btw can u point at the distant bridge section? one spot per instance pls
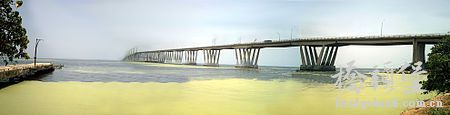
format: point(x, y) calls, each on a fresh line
point(316, 53)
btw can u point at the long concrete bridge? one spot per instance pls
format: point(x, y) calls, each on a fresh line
point(316, 53)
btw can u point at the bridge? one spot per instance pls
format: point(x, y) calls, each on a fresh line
point(316, 53)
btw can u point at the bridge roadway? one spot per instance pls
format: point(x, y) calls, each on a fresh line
point(316, 53)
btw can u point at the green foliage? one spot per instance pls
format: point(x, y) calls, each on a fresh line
point(438, 67)
point(438, 111)
point(13, 38)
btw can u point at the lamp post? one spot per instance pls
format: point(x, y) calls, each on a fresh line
point(279, 36)
point(292, 29)
point(35, 50)
point(381, 31)
point(214, 40)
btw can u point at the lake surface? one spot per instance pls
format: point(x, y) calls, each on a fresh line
point(115, 87)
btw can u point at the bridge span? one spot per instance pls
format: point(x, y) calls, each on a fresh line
point(316, 53)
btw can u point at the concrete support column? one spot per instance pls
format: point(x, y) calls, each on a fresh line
point(211, 57)
point(154, 59)
point(190, 57)
point(143, 57)
point(139, 55)
point(169, 57)
point(324, 61)
point(151, 57)
point(325, 56)
point(195, 56)
point(418, 51)
point(308, 62)
point(147, 57)
point(159, 57)
point(311, 53)
point(164, 54)
point(218, 57)
point(330, 56)
point(334, 56)
point(315, 55)
point(302, 55)
point(173, 57)
point(319, 59)
point(165, 57)
point(162, 57)
point(247, 57)
point(177, 57)
point(180, 57)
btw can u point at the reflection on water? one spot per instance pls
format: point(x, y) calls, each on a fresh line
point(111, 87)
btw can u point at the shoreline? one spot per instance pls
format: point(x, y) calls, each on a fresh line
point(16, 73)
point(444, 98)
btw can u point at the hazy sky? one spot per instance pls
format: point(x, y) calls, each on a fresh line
point(106, 29)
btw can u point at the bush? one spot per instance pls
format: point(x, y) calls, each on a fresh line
point(438, 67)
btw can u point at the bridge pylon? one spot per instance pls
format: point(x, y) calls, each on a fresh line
point(418, 51)
point(247, 57)
point(190, 57)
point(211, 57)
point(324, 61)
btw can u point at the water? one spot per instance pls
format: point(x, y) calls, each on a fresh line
point(117, 71)
point(114, 87)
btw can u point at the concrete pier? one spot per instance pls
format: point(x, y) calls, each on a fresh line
point(12, 73)
point(211, 57)
point(190, 57)
point(247, 57)
point(418, 51)
point(322, 62)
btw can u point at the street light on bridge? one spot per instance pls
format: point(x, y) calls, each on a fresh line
point(381, 31)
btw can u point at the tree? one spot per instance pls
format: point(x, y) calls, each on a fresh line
point(438, 66)
point(13, 38)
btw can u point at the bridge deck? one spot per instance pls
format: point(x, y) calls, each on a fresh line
point(319, 41)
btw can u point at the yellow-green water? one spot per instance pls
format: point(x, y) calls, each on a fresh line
point(217, 96)
point(114, 87)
